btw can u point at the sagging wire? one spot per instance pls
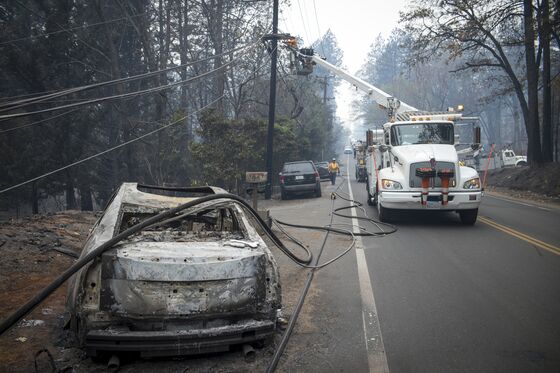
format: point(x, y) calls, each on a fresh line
point(159, 129)
point(30, 305)
point(362, 231)
point(136, 93)
point(316, 266)
point(293, 319)
point(30, 101)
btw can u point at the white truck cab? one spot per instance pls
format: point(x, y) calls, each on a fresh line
point(416, 167)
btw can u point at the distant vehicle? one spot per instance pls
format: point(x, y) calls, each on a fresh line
point(509, 159)
point(195, 283)
point(361, 171)
point(323, 169)
point(299, 177)
point(348, 150)
point(504, 158)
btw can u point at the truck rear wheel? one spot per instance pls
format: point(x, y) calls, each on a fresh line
point(468, 217)
point(370, 200)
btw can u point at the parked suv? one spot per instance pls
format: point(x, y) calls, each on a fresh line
point(299, 177)
point(323, 168)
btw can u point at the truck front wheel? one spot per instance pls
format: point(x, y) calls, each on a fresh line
point(468, 217)
point(384, 214)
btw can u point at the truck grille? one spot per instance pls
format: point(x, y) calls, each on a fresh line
point(416, 182)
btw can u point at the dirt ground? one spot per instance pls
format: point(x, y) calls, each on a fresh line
point(543, 181)
point(31, 260)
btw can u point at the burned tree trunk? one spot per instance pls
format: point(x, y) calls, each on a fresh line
point(534, 153)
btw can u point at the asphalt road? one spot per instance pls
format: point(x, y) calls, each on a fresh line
point(447, 297)
point(482, 298)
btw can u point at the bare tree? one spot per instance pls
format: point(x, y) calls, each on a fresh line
point(493, 34)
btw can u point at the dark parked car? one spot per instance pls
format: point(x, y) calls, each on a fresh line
point(299, 177)
point(323, 168)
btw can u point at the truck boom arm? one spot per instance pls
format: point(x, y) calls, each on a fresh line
point(382, 98)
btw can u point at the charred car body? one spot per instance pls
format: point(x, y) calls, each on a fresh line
point(195, 283)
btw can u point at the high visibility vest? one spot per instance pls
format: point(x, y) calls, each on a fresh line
point(333, 166)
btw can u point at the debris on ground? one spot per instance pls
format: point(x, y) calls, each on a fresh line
point(31, 258)
point(30, 246)
point(544, 180)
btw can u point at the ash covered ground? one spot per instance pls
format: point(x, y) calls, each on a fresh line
point(540, 184)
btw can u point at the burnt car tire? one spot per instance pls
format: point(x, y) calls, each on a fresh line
point(468, 217)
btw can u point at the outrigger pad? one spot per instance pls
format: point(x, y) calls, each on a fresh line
point(425, 172)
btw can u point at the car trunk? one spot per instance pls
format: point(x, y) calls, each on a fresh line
point(299, 178)
point(183, 280)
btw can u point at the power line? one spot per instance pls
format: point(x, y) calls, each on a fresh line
point(63, 29)
point(69, 29)
point(108, 150)
point(303, 22)
point(125, 95)
point(25, 95)
point(321, 42)
point(7, 106)
point(120, 145)
point(40, 121)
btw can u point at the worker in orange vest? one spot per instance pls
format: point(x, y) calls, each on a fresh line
point(334, 169)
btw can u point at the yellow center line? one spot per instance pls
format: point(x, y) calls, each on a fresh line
point(553, 249)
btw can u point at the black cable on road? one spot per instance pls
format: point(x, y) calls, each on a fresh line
point(82, 261)
point(316, 266)
point(293, 319)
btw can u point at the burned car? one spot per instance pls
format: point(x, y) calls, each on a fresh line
point(195, 283)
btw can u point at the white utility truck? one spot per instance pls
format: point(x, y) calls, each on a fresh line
point(414, 165)
point(510, 159)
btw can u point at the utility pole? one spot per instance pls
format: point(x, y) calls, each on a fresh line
point(272, 101)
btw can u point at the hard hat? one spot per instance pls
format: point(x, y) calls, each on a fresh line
point(334, 159)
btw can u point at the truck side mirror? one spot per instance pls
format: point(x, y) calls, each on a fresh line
point(383, 148)
point(477, 135)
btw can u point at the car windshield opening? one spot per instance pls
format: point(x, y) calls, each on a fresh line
point(422, 133)
point(217, 223)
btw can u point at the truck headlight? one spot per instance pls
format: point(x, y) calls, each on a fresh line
point(472, 184)
point(390, 184)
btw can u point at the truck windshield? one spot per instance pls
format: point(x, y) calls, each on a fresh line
point(422, 133)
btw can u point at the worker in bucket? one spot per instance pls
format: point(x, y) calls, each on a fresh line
point(333, 170)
